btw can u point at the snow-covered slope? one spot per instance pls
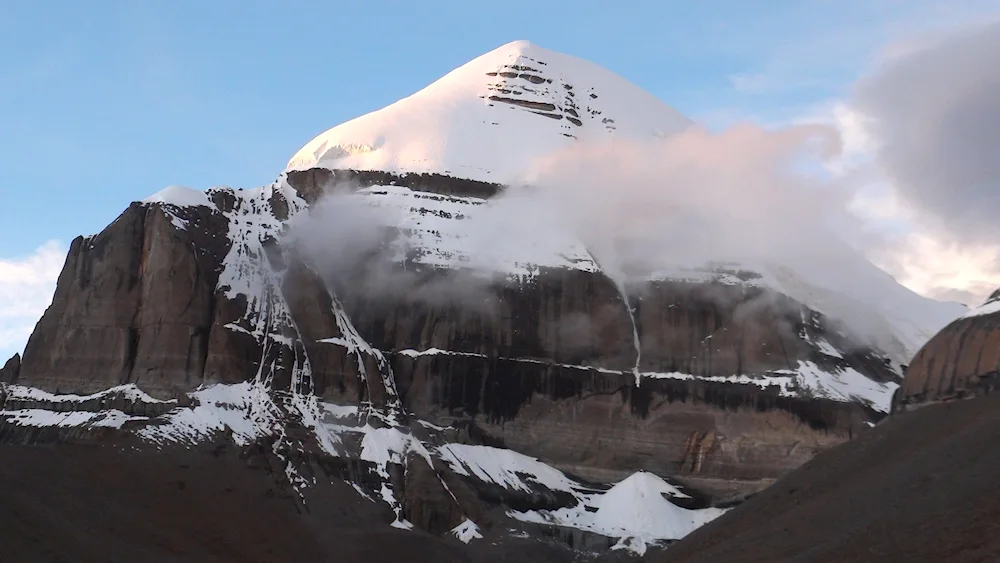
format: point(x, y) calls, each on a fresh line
point(488, 119)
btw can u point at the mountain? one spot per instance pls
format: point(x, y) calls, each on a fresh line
point(365, 318)
point(918, 487)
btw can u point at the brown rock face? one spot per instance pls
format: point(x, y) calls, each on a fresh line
point(960, 361)
point(133, 304)
point(173, 297)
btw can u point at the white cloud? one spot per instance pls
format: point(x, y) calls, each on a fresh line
point(26, 288)
point(929, 116)
point(933, 265)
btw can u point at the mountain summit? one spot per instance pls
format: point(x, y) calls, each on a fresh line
point(487, 119)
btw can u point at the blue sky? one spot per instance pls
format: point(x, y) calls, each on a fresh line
point(106, 102)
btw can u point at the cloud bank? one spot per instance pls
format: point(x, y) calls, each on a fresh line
point(934, 112)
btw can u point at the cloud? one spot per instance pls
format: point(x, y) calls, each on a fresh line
point(26, 289)
point(358, 248)
point(936, 114)
point(683, 200)
point(941, 268)
point(930, 115)
point(754, 196)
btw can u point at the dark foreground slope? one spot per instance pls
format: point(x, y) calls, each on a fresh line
point(921, 487)
point(92, 503)
point(89, 503)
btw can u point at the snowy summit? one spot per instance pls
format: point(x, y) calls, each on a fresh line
point(520, 101)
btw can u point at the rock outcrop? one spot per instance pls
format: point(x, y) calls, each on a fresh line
point(963, 360)
point(11, 370)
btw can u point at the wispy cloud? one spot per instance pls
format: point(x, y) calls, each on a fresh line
point(26, 288)
point(823, 45)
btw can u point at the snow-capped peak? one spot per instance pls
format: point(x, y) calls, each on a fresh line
point(490, 118)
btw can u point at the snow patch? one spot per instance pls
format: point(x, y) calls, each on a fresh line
point(506, 468)
point(129, 392)
point(988, 308)
point(245, 410)
point(466, 531)
point(825, 347)
point(42, 418)
point(844, 384)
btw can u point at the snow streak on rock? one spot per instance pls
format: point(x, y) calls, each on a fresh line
point(359, 348)
point(129, 392)
point(42, 418)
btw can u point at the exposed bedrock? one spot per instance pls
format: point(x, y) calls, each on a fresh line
point(11, 370)
point(546, 369)
point(132, 304)
point(963, 360)
point(544, 364)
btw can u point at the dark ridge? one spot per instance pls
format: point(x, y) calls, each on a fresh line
point(919, 487)
point(555, 116)
point(312, 183)
point(543, 106)
point(11, 370)
point(533, 78)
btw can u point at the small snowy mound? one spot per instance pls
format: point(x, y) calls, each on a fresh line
point(466, 531)
point(991, 306)
point(636, 511)
point(180, 196)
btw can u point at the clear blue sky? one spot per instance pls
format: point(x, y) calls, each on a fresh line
point(105, 102)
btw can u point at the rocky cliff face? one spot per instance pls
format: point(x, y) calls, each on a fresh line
point(11, 370)
point(963, 360)
point(701, 380)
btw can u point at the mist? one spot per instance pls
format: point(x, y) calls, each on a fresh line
point(746, 195)
point(361, 251)
point(750, 196)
